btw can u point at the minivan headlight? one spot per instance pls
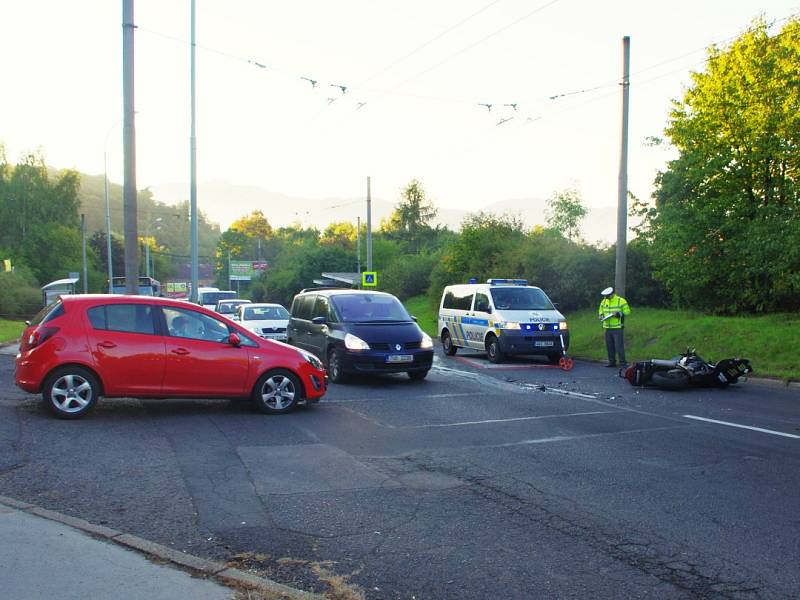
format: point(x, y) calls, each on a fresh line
point(352, 342)
point(508, 325)
point(562, 325)
point(427, 342)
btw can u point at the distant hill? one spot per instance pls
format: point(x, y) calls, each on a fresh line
point(224, 202)
point(167, 222)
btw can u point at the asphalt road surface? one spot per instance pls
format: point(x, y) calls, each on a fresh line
point(480, 482)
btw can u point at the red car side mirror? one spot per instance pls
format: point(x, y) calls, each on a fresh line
point(234, 340)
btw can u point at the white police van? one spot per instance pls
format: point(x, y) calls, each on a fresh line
point(501, 317)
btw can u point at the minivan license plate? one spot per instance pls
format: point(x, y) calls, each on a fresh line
point(545, 344)
point(399, 358)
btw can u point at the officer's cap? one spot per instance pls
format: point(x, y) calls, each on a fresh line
point(607, 292)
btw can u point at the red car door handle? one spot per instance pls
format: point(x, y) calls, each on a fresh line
point(181, 351)
point(106, 345)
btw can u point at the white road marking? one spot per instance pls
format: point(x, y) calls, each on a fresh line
point(759, 429)
point(511, 420)
point(559, 391)
point(567, 438)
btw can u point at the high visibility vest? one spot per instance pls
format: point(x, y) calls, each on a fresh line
point(612, 305)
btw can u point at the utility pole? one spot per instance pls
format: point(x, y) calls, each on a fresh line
point(369, 225)
point(193, 165)
point(622, 195)
point(108, 224)
point(358, 245)
point(129, 150)
point(83, 245)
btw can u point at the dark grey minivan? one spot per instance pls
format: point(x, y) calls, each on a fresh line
point(359, 331)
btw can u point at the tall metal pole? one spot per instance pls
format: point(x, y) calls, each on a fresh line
point(83, 249)
point(193, 166)
point(622, 197)
point(108, 225)
point(369, 225)
point(358, 245)
point(129, 151)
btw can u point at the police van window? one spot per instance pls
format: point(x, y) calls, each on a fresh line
point(482, 302)
point(449, 300)
point(520, 298)
point(463, 300)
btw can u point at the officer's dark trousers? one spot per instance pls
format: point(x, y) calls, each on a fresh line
point(615, 344)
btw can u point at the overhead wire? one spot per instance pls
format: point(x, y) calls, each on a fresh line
point(524, 117)
point(427, 43)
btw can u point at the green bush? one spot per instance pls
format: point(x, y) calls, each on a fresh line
point(408, 275)
point(21, 297)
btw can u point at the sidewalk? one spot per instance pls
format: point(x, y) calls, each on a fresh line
point(45, 554)
point(40, 558)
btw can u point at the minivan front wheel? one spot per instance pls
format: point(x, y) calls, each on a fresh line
point(71, 392)
point(277, 392)
point(335, 372)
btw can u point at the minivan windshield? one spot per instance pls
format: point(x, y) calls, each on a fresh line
point(369, 308)
point(520, 298)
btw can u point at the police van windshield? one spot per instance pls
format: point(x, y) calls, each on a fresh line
point(520, 298)
point(369, 308)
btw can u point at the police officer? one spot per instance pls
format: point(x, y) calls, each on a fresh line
point(611, 313)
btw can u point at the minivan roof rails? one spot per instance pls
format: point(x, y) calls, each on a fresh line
point(323, 287)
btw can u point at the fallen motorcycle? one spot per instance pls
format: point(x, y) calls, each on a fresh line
point(687, 370)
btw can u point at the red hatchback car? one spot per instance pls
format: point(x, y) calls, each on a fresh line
point(84, 347)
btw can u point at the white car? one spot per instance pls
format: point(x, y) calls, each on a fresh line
point(230, 308)
point(265, 320)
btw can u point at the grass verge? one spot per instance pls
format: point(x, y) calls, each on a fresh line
point(771, 342)
point(426, 314)
point(10, 330)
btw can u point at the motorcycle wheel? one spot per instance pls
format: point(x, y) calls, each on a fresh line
point(674, 379)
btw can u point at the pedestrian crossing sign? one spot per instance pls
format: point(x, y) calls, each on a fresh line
point(369, 278)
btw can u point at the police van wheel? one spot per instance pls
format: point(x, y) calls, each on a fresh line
point(493, 350)
point(447, 344)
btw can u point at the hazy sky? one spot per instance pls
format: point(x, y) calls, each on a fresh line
point(421, 66)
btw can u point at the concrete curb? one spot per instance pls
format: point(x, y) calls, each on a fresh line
point(199, 566)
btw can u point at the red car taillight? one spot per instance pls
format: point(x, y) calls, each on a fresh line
point(38, 336)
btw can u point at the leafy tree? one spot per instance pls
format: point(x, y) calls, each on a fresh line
point(411, 220)
point(725, 231)
point(565, 212)
point(29, 198)
point(484, 249)
point(52, 251)
point(342, 234)
point(98, 244)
